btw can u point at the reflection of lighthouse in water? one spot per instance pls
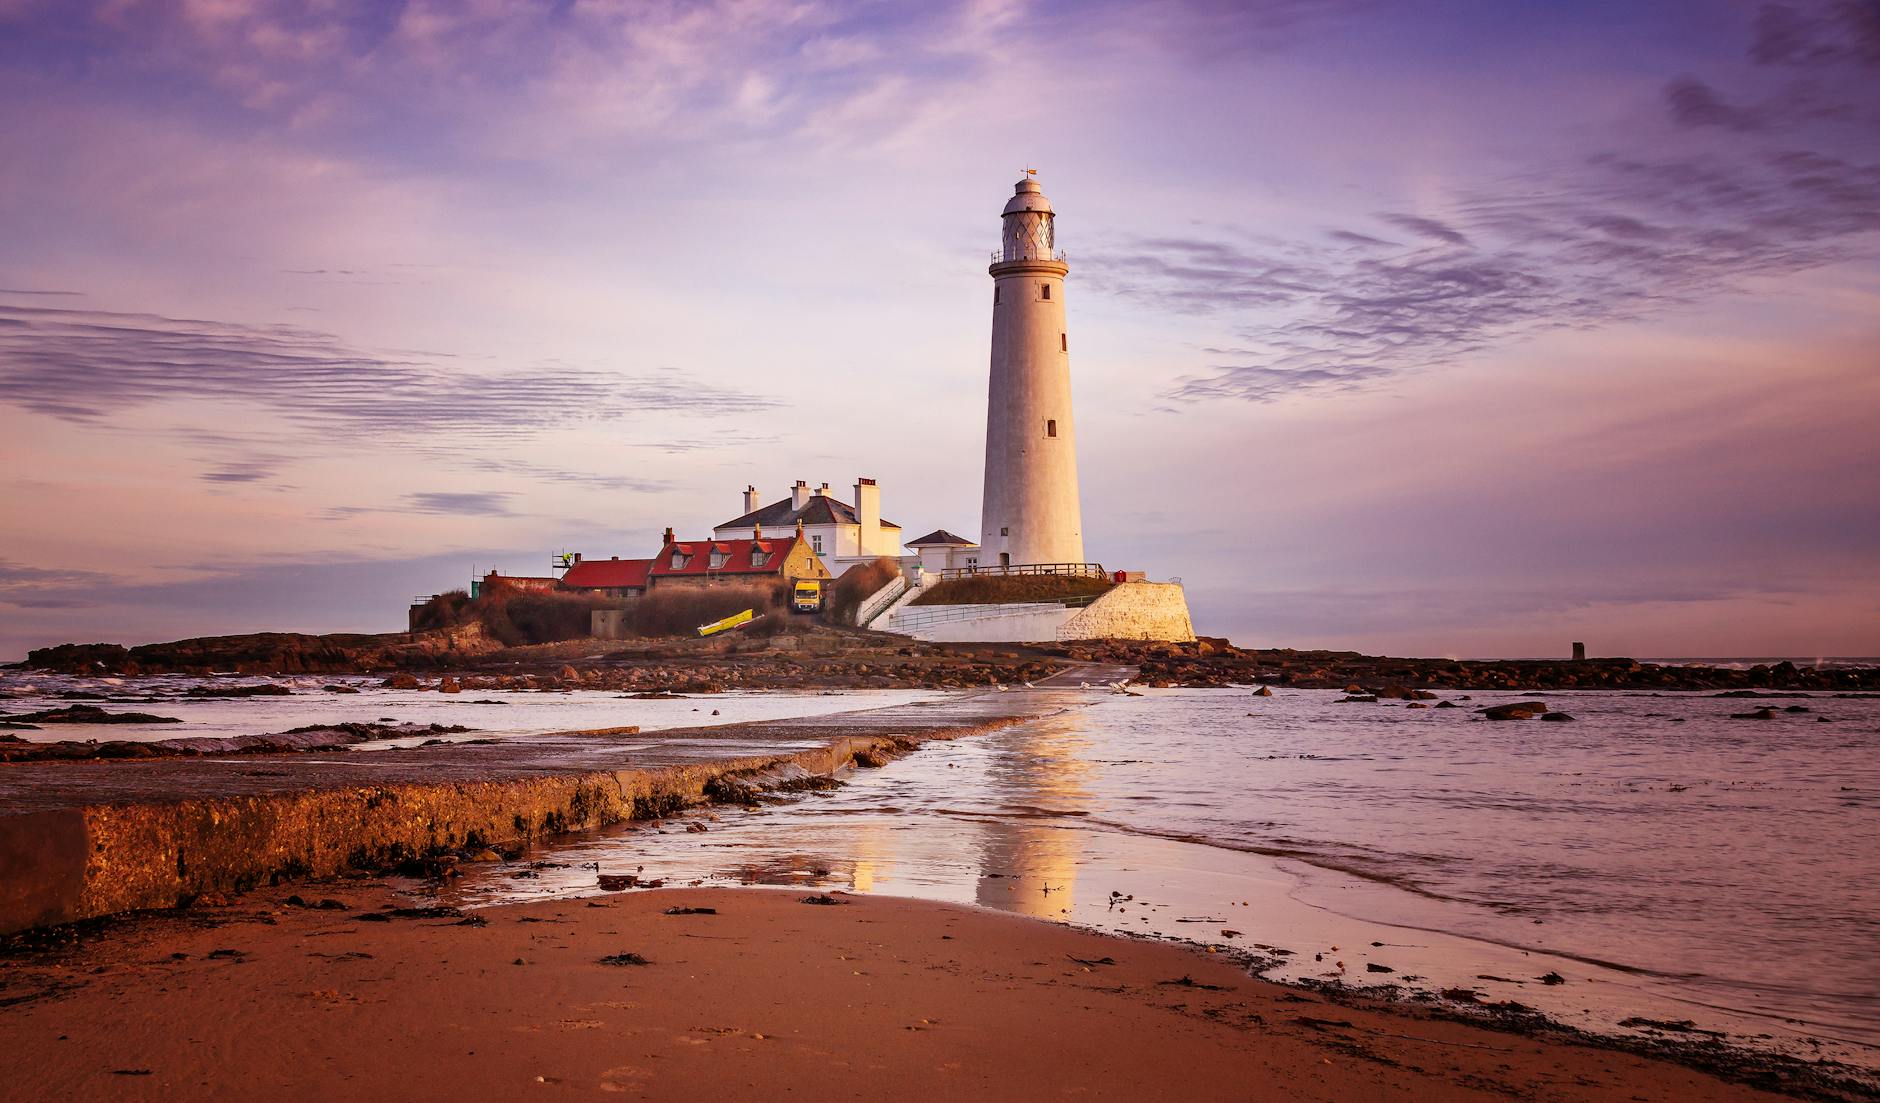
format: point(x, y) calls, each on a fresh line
point(1035, 861)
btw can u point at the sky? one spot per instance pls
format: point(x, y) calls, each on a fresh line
point(1431, 328)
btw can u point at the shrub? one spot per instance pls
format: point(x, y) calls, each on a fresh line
point(677, 609)
point(846, 594)
point(516, 619)
point(446, 610)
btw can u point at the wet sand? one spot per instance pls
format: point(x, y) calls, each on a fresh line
point(870, 998)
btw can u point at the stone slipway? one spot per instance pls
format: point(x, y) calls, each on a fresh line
point(79, 840)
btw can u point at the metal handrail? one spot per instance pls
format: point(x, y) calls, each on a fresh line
point(1074, 570)
point(999, 257)
point(882, 598)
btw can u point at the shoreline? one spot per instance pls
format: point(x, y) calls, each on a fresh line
point(1277, 933)
point(1736, 1053)
point(262, 998)
point(824, 656)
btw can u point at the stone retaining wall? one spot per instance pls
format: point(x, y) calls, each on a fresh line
point(1135, 611)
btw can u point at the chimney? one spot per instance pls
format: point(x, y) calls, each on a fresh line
point(822, 491)
point(668, 540)
point(757, 532)
point(868, 512)
point(750, 499)
point(577, 557)
point(799, 494)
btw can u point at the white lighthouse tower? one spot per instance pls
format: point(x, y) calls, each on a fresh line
point(1031, 512)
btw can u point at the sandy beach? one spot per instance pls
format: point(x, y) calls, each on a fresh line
point(763, 996)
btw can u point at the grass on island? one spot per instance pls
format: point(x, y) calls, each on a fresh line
point(1009, 589)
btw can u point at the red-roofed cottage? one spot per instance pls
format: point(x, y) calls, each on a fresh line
point(750, 558)
point(613, 577)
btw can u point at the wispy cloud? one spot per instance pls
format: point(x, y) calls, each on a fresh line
point(31, 587)
point(542, 473)
point(88, 365)
point(480, 503)
point(1767, 184)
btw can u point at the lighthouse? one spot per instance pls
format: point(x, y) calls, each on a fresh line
point(1030, 513)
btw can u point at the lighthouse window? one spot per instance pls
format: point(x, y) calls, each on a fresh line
point(1050, 428)
point(1064, 342)
point(1045, 288)
point(995, 296)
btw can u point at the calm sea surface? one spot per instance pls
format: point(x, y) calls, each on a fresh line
point(1663, 858)
point(1667, 860)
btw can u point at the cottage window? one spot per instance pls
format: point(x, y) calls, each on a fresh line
point(816, 543)
point(678, 561)
point(759, 558)
point(718, 559)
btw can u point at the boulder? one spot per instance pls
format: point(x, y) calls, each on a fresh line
point(1517, 710)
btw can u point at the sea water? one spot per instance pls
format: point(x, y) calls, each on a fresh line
point(1657, 856)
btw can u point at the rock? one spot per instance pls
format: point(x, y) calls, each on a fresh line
point(449, 685)
point(1556, 717)
point(1759, 714)
point(1374, 967)
point(1417, 705)
point(486, 856)
point(1517, 710)
point(267, 690)
point(1447, 705)
point(88, 714)
point(1357, 699)
point(400, 681)
point(1263, 691)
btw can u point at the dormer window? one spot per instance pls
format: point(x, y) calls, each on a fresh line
point(718, 559)
point(678, 561)
point(759, 557)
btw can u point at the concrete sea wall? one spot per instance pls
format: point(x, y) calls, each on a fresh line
point(84, 840)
